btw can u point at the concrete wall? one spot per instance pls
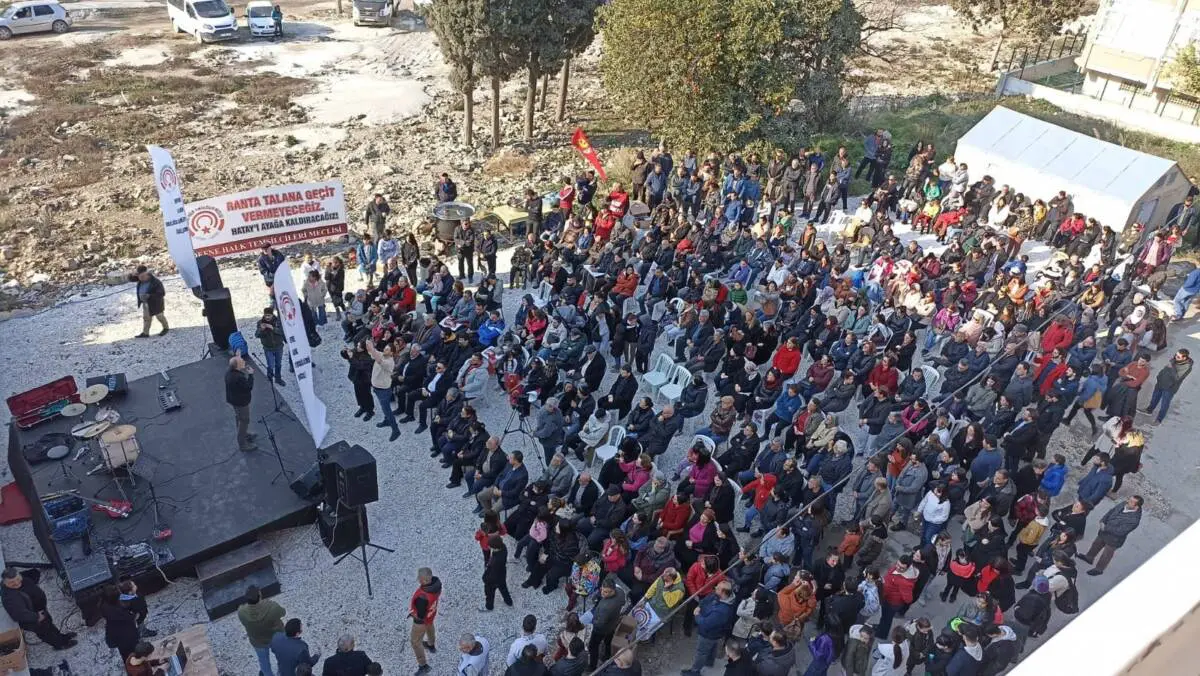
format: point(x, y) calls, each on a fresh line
point(1148, 625)
point(1045, 69)
point(1148, 122)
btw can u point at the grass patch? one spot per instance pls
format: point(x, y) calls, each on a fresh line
point(508, 162)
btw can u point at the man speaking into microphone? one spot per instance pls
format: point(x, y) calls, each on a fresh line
point(239, 384)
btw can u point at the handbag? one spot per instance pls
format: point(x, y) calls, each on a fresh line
point(1093, 402)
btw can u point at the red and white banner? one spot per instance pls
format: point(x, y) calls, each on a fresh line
point(580, 142)
point(170, 202)
point(282, 214)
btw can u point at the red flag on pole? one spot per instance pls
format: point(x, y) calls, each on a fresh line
point(580, 141)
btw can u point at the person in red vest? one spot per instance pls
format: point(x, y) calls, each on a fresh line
point(423, 611)
point(618, 200)
point(566, 197)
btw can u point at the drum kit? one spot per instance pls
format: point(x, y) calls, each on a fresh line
point(118, 445)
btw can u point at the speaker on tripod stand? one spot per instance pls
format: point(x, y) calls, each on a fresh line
point(343, 529)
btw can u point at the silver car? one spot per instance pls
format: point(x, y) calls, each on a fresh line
point(34, 16)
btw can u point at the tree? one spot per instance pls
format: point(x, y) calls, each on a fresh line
point(577, 20)
point(1184, 71)
point(498, 57)
point(459, 26)
point(539, 44)
point(727, 72)
point(1025, 18)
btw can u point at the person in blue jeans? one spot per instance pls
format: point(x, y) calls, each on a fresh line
point(270, 334)
point(262, 619)
point(381, 385)
point(1185, 294)
point(1170, 377)
point(714, 620)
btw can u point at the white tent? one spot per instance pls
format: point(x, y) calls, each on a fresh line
point(1113, 184)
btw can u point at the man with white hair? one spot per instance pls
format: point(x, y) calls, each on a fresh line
point(346, 661)
point(239, 384)
point(473, 657)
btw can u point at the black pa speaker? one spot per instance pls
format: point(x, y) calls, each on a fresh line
point(218, 309)
point(117, 383)
point(340, 531)
point(309, 485)
point(356, 480)
point(210, 274)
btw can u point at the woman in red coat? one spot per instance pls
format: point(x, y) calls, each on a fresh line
point(1050, 367)
point(1059, 334)
point(787, 358)
point(884, 376)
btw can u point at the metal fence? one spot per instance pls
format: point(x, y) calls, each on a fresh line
point(1023, 56)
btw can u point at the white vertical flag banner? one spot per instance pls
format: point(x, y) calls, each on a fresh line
point(288, 302)
point(175, 220)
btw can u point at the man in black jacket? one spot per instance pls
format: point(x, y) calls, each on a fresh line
point(25, 603)
point(621, 393)
point(592, 369)
point(583, 494)
point(239, 383)
point(430, 395)
point(486, 246)
point(377, 212)
point(445, 190)
point(662, 429)
point(464, 246)
point(411, 376)
point(150, 298)
point(346, 661)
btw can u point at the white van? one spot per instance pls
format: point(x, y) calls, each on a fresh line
point(206, 20)
point(258, 18)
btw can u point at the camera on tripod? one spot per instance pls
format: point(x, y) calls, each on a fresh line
point(518, 399)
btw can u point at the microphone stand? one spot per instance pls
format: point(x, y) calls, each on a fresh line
point(283, 472)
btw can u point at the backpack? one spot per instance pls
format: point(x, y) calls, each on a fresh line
point(1068, 600)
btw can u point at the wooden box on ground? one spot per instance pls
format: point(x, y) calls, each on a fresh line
point(12, 651)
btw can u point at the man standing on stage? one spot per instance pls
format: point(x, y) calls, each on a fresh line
point(239, 383)
point(150, 298)
point(423, 611)
point(25, 603)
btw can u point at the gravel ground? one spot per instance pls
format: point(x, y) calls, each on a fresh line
point(426, 524)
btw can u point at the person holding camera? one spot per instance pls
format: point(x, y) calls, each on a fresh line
point(270, 333)
point(151, 299)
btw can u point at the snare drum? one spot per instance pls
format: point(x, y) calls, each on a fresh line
point(119, 446)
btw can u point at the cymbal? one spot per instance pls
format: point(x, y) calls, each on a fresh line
point(87, 430)
point(93, 393)
point(118, 434)
point(72, 410)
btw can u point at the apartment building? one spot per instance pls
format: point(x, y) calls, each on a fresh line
point(1129, 51)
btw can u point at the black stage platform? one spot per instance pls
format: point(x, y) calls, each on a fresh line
point(213, 497)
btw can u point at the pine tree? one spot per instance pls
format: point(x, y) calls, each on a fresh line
point(577, 19)
point(459, 26)
point(728, 72)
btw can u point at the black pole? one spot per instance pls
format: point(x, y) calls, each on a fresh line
point(283, 472)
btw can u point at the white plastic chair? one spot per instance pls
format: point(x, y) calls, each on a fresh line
point(660, 374)
point(708, 442)
point(933, 380)
point(542, 297)
point(673, 390)
point(631, 306)
point(605, 452)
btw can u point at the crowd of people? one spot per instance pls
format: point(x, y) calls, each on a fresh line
point(845, 389)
